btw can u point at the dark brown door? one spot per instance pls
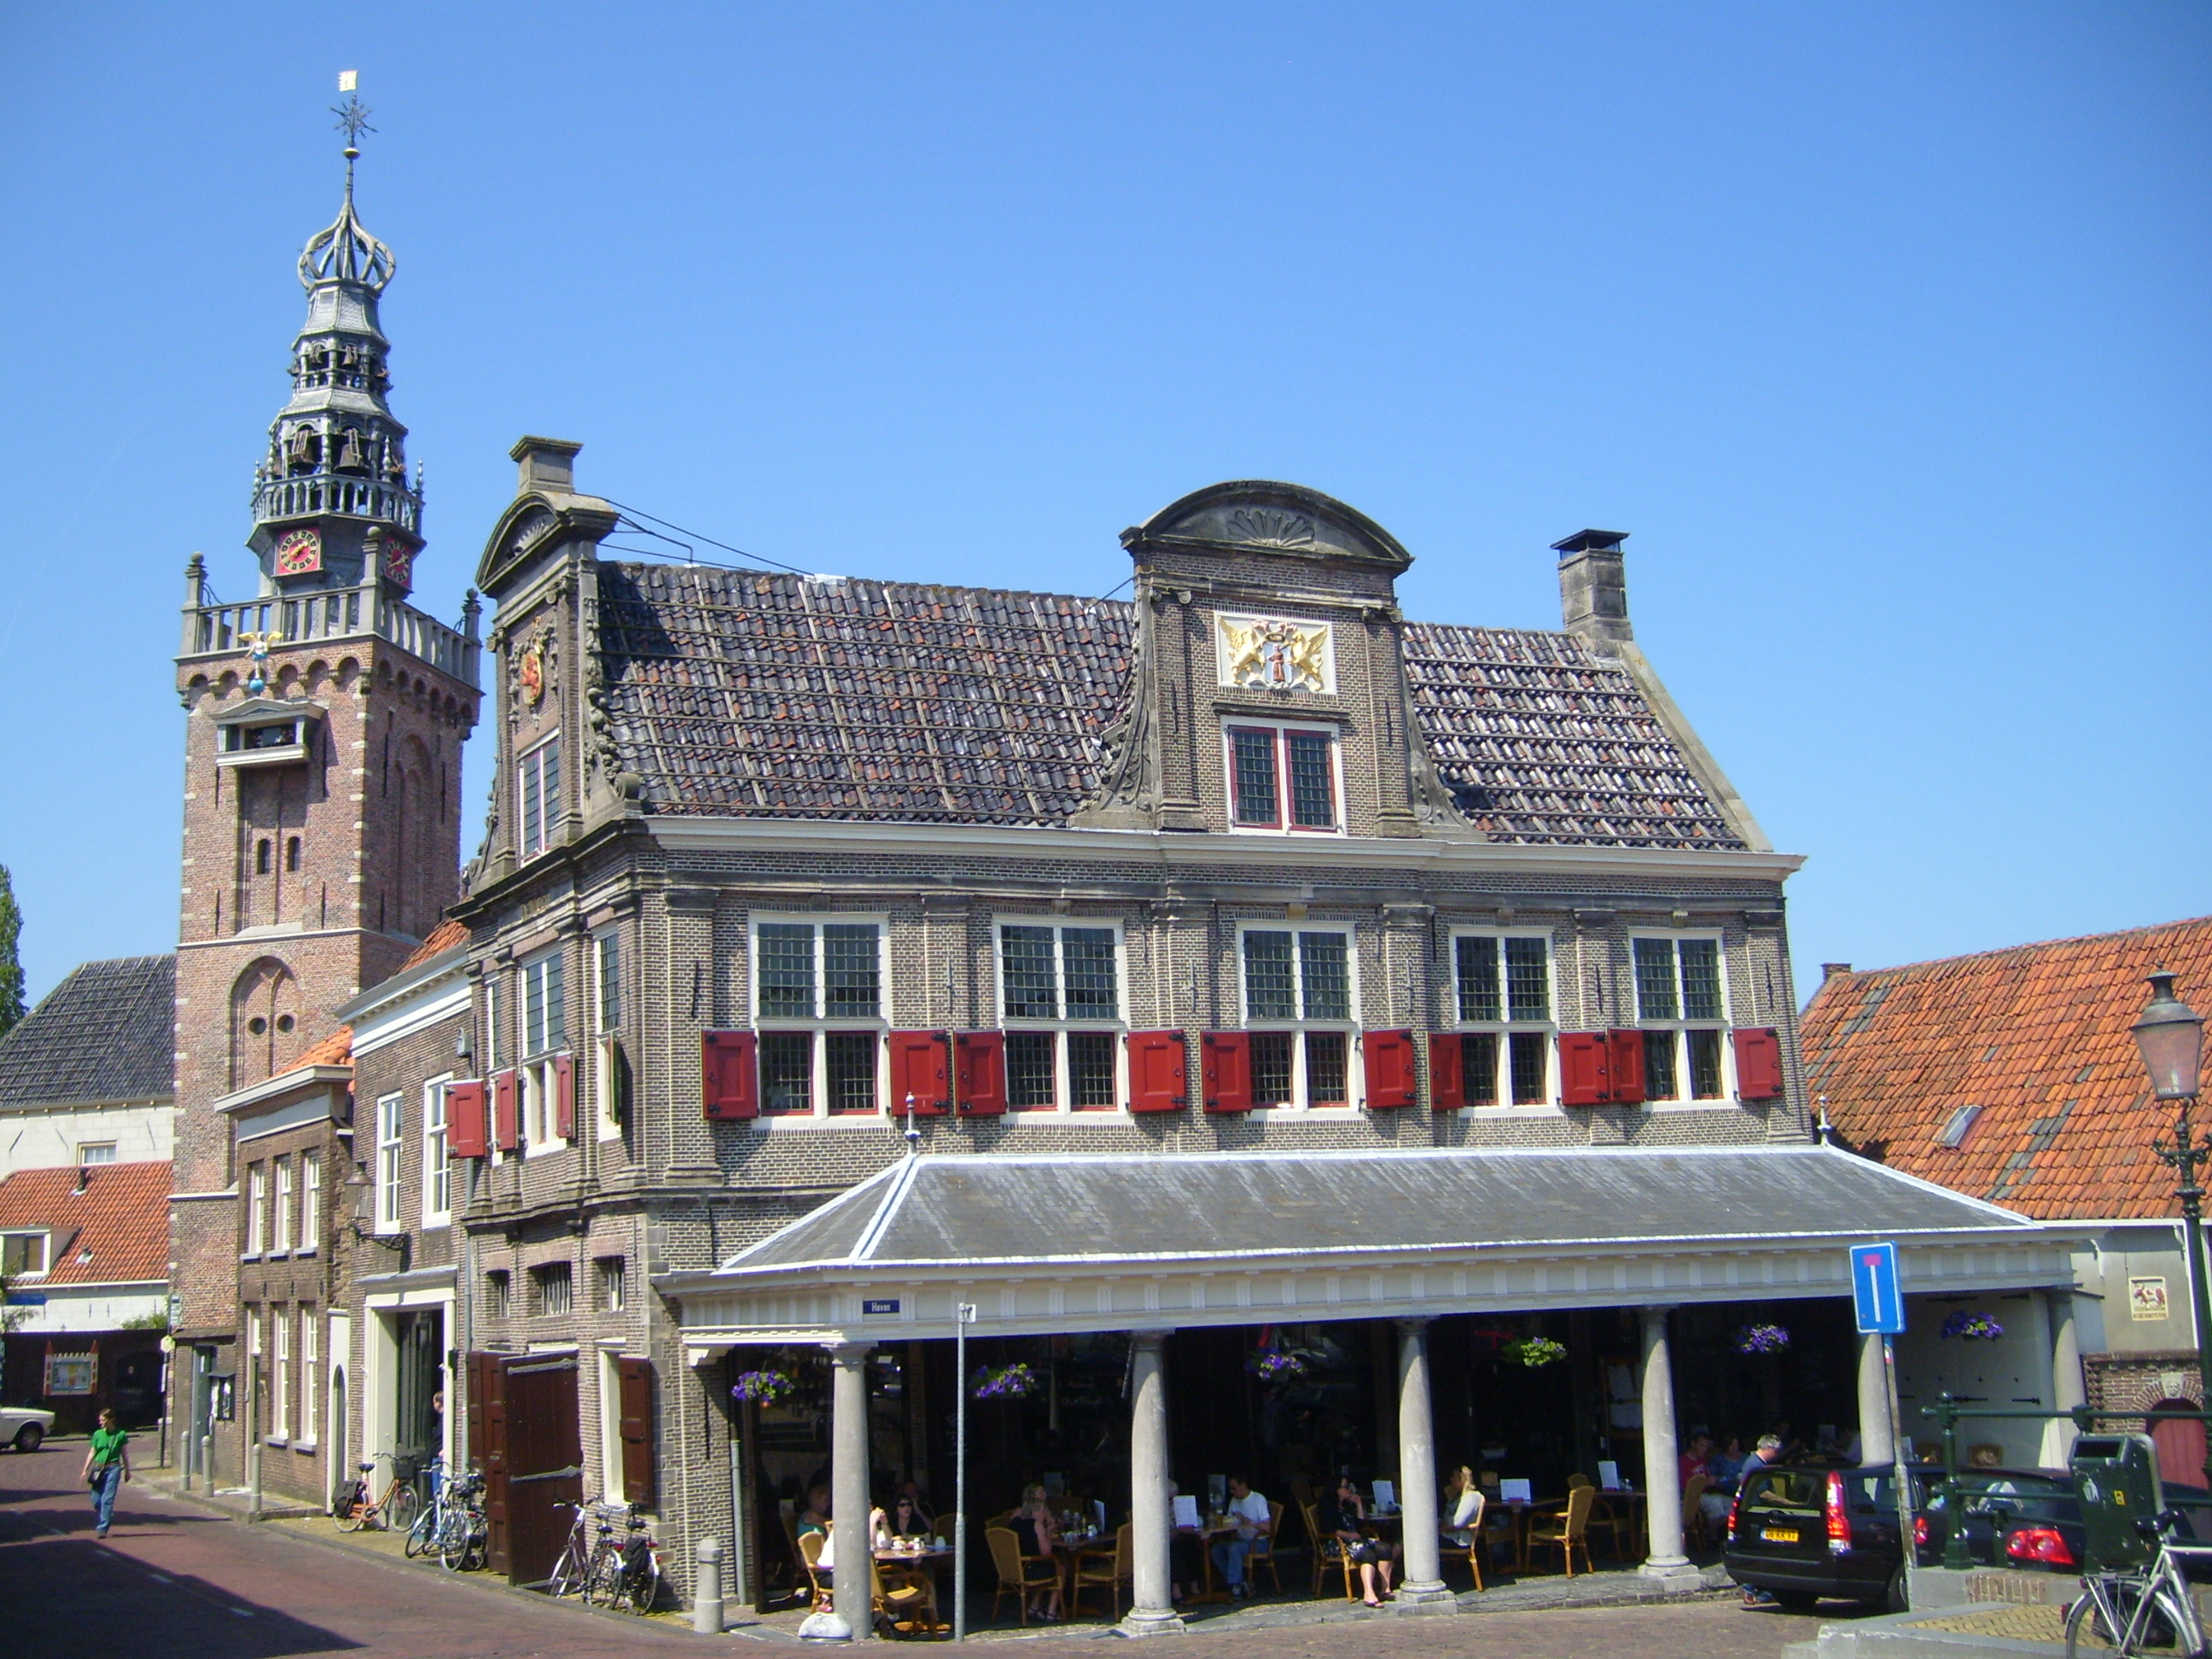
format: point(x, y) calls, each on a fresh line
point(545, 1463)
point(637, 1458)
point(488, 1446)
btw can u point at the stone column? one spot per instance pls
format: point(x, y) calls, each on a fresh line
point(1877, 1446)
point(2067, 1389)
point(852, 1549)
point(1663, 1477)
point(1151, 1611)
point(1423, 1590)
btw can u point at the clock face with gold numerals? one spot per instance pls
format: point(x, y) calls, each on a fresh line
point(399, 566)
point(299, 552)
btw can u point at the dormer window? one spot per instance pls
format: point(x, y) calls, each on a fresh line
point(23, 1255)
point(1283, 778)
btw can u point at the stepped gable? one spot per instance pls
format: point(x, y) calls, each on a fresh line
point(1542, 740)
point(740, 694)
point(2037, 1037)
point(105, 1033)
point(735, 694)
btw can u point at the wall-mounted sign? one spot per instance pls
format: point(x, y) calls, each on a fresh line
point(70, 1373)
point(1266, 654)
point(2147, 1298)
point(880, 1305)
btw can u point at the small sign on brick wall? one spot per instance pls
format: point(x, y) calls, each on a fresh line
point(2147, 1298)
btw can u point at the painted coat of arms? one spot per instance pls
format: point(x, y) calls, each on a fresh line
point(1267, 653)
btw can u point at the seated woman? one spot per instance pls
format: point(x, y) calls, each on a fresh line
point(814, 1517)
point(1038, 1530)
point(1344, 1514)
point(905, 1518)
point(1462, 1502)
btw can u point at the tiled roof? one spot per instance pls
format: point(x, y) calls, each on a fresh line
point(735, 694)
point(336, 1049)
point(2037, 1037)
point(1541, 740)
point(443, 938)
point(105, 1033)
point(121, 1218)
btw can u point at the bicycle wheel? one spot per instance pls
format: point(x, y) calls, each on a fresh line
point(400, 1509)
point(603, 1582)
point(352, 1511)
point(423, 1536)
point(641, 1586)
point(2083, 1618)
point(453, 1540)
point(567, 1572)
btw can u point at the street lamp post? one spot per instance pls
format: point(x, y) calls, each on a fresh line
point(2170, 1035)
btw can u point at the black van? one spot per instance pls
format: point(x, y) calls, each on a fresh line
point(1803, 1533)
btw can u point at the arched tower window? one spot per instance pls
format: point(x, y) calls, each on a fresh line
point(264, 1021)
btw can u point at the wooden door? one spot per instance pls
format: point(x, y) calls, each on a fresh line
point(544, 1462)
point(488, 1446)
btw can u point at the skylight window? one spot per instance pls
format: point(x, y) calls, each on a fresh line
point(1956, 1129)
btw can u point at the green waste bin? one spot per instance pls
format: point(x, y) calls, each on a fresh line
point(2115, 1477)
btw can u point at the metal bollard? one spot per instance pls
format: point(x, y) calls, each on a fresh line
point(707, 1601)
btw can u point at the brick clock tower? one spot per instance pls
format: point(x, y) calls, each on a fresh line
point(325, 718)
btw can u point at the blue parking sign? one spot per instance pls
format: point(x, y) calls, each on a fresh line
point(1874, 1293)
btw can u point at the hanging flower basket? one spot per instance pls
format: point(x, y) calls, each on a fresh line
point(1972, 1326)
point(1534, 1351)
point(1006, 1382)
point(1762, 1339)
point(1275, 1368)
point(763, 1387)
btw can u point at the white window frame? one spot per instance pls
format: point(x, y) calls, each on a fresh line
point(45, 1249)
point(1506, 1027)
point(818, 1025)
point(1678, 1026)
point(1355, 1074)
point(280, 1374)
point(544, 1039)
point(256, 1209)
point(390, 1161)
point(1282, 827)
point(605, 943)
point(310, 1365)
point(532, 835)
point(606, 1023)
point(280, 1222)
point(93, 1152)
point(1061, 1026)
point(612, 1286)
point(311, 1202)
point(437, 1161)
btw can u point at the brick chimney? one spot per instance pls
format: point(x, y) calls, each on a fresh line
point(1830, 969)
point(548, 463)
point(1593, 591)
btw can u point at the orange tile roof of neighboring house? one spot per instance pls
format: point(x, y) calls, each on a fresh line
point(115, 1230)
point(336, 1049)
point(443, 938)
point(2038, 1038)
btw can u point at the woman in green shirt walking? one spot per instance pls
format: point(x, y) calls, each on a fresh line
point(106, 1467)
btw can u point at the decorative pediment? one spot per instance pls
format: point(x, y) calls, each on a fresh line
point(1284, 519)
point(533, 525)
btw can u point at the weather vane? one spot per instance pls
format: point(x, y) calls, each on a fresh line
point(352, 114)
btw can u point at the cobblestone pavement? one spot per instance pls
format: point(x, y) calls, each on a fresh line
point(203, 1586)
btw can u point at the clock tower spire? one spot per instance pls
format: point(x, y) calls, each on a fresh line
point(332, 508)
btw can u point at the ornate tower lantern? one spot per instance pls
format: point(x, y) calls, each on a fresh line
point(332, 504)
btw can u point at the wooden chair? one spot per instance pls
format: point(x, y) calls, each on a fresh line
point(1262, 1552)
point(1502, 1525)
point(1020, 1575)
point(1693, 1515)
point(809, 1552)
point(1473, 1551)
point(1328, 1550)
point(1111, 1570)
point(1572, 1529)
point(905, 1599)
point(1609, 1519)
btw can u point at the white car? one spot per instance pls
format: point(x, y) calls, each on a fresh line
point(24, 1426)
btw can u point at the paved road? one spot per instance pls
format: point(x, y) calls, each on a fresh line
point(174, 1580)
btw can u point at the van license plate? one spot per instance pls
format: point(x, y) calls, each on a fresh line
point(1780, 1534)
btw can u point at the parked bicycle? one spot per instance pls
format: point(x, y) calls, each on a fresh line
point(2150, 1607)
point(358, 1508)
point(606, 1570)
point(423, 1535)
point(453, 1527)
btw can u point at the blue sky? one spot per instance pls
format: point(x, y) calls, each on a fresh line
point(1881, 328)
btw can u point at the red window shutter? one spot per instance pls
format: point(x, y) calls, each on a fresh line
point(980, 1062)
point(1585, 1076)
point(636, 1430)
point(506, 1120)
point(1625, 1066)
point(1159, 1071)
point(729, 1079)
point(1225, 1068)
point(564, 1096)
point(1447, 1072)
point(467, 1134)
point(918, 1069)
point(1389, 1056)
point(1759, 1064)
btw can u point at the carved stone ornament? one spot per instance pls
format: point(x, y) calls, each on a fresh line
point(1271, 526)
point(1268, 654)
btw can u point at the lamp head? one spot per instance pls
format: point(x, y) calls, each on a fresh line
point(2170, 1036)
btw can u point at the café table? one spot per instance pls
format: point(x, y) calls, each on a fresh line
point(1215, 1527)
